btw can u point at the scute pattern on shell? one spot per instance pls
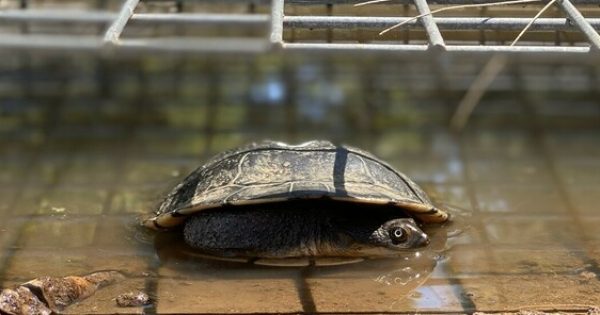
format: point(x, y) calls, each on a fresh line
point(274, 171)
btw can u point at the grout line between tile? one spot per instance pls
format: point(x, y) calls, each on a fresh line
point(53, 110)
point(304, 293)
point(480, 225)
point(539, 133)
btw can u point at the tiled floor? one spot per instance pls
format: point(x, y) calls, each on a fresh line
point(74, 181)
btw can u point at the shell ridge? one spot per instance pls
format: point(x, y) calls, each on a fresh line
point(239, 169)
point(327, 187)
point(258, 148)
point(324, 183)
point(366, 168)
point(226, 199)
point(408, 182)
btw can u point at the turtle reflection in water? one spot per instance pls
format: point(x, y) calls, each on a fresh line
point(277, 204)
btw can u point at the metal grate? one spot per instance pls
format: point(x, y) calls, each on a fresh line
point(238, 26)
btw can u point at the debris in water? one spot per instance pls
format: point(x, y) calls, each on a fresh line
point(132, 299)
point(22, 301)
point(58, 209)
point(587, 276)
point(47, 295)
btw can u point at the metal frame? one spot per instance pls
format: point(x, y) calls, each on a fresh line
point(277, 23)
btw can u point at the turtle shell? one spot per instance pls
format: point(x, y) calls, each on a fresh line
point(275, 171)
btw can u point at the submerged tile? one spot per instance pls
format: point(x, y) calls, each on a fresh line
point(190, 283)
point(73, 200)
point(577, 170)
point(512, 293)
point(7, 198)
point(263, 295)
point(379, 294)
point(29, 201)
point(139, 199)
point(27, 264)
point(538, 261)
point(507, 171)
point(573, 143)
point(414, 143)
point(546, 291)
point(591, 231)
point(49, 168)
point(156, 142)
point(145, 171)
point(58, 232)
point(13, 170)
point(520, 199)
point(91, 169)
point(586, 199)
point(505, 143)
point(554, 114)
point(595, 256)
point(123, 232)
point(472, 294)
point(103, 301)
point(532, 231)
point(40, 200)
point(449, 196)
point(428, 169)
point(467, 262)
point(9, 234)
point(381, 285)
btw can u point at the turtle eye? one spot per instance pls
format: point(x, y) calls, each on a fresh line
point(398, 235)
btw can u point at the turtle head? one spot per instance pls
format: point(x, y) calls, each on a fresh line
point(399, 234)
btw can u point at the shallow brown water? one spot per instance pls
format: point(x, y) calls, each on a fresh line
point(521, 181)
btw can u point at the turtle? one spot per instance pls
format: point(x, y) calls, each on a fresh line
point(273, 203)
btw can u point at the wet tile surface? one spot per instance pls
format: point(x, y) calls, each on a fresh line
point(79, 214)
point(520, 199)
point(585, 198)
point(524, 202)
point(537, 231)
point(227, 296)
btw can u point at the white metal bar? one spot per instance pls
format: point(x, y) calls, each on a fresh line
point(87, 43)
point(581, 23)
point(341, 22)
point(345, 47)
point(204, 45)
point(76, 16)
point(114, 31)
point(277, 7)
point(433, 33)
point(447, 23)
point(50, 42)
point(96, 44)
point(56, 16)
point(203, 19)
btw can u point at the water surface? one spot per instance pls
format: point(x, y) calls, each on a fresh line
point(76, 175)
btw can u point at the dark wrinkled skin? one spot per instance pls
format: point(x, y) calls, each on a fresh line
point(300, 229)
